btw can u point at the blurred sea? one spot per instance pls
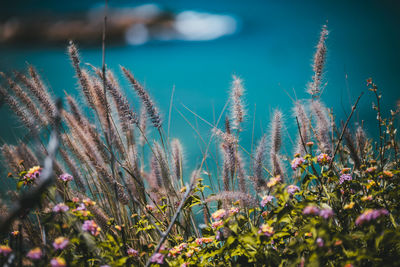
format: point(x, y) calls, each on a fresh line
point(272, 51)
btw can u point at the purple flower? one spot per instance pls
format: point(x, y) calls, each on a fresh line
point(5, 250)
point(66, 177)
point(345, 177)
point(58, 262)
point(311, 210)
point(60, 243)
point(370, 215)
point(218, 236)
point(323, 159)
point(265, 200)
point(34, 254)
point(320, 242)
point(157, 258)
point(132, 252)
point(92, 227)
point(105, 265)
point(60, 207)
point(291, 189)
point(296, 162)
point(326, 213)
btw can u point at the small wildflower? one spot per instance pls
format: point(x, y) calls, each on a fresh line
point(320, 242)
point(34, 254)
point(370, 215)
point(349, 206)
point(370, 184)
point(296, 162)
point(291, 189)
point(309, 144)
point(273, 181)
point(60, 243)
point(183, 189)
point(32, 174)
point(217, 224)
point(370, 169)
point(75, 199)
point(118, 227)
point(348, 265)
point(15, 233)
point(189, 253)
point(266, 230)
point(92, 227)
point(60, 207)
point(185, 264)
point(264, 214)
point(345, 177)
point(149, 208)
point(88, 202)
point(323, 159)
point(309, 234)
point(346, 170)
point(58, 262)
point(326, 213)
point(66, 177)
point(366, 198)
point(132, 252)
point(219, 214)
point(5, 250)
point(388, 174)
point(311, 210)
point(157, 258)
point(338, 242)
point(233, 211)
point(265, 200)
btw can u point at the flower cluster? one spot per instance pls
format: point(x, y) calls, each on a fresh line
point(265, 200)
point(32, 175)
point(5, 250)
point(323, 159)
point(91, 227)
point(60, 243)
point(35, 254)
point(66, 177)
point(291, 189)
point(325, 213)
point(219, 214)
point(296, 162)
point(60, 207)
point(370, 214)
point(132, 252)
point(266, 230)
point(58, 262)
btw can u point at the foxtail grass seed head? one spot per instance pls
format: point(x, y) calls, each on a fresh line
point(237, 106)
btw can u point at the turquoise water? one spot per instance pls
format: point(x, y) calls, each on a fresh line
point(272, 52)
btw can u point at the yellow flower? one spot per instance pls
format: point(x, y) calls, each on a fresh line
point(349, 206)
point(273, 181)
point(309, 234)
point(371, 183)
point(365, 198)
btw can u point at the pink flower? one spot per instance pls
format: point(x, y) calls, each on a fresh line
point(323, 159)
point(296, 162)
point(157, 258)
point(265, 200)
point(5, 250)
point(320, 242)
point(219, 214)
point(32, 174)
point(291, 189)
point(370, 215)
point(326, 213)
point(60, 243)
point(60, 207)
point(266, 230)
point(66, 177)
point(233, 211)
point(34, 254)
point(311, 210)
point(92, 227)
point(132, 252)
point(345, 177)
point(58, 262)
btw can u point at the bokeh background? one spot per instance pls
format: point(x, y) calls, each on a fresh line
point(197, 46)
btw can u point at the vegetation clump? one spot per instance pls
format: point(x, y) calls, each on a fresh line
point(107, 192)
